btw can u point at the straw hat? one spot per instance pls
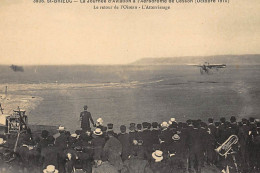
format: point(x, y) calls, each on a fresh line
point(98, 132)
point(61, 128)
point(74, 135)
point(157, 155)
point(176, 137)
point(172, 120)
point(164, 124)
point(50, 169)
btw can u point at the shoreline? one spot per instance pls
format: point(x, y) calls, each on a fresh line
point(10, 102)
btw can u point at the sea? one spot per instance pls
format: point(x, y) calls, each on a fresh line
point(121, 94)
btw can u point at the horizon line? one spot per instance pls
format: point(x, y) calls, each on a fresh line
point(122, 64)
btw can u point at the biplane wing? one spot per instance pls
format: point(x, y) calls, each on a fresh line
point(216, 66)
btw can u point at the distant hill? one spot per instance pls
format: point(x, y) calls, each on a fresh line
point(218, 59)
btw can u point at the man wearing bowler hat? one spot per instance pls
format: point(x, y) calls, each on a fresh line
point(85, 117)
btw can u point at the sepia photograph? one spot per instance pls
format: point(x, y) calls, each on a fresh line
point(129, 86)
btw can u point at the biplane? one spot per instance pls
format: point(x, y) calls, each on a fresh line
point(17, 68)
point(206, 67)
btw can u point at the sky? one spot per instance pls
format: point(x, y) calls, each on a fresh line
point(75, 33)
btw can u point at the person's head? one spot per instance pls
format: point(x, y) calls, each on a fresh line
point(135, 142)
point(61, 129)
point(189, 122)
point(100, 121)
point(251, 120)
point(50, 140)
point(196, 124)
point(122, 128)
point(139, 126)
point(85, 107)
point(233, 119)
point(157, 156)
point(98, 132)
point(222, 120)
point(132, 127)
point(149, 125)
point(110, 126)
point(45, 134)
point(244, 121)
point(217, 124)
point(154, 125)
point(210, 120)
point(203, 125)
point(164, 125)
point(145, 125)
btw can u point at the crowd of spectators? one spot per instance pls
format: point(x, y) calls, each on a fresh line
point(167, 147)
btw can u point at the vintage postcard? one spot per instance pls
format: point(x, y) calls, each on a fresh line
point(107, 85)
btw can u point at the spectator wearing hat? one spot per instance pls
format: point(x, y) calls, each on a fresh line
point(62, 140)
point(73, 140)
point(112, 151)
point(99, 124)
point(164, 137)
point(98, 143)
point(86, 138)
point(158, 164)
point(211, 156)
point(196, 147)
point(147, 139)
point(172, 120)
point(83, 160)
point(138, 149)
point(132, 133)
point(223, 134)
point(176, 154)
point(139, 132)
point(110, 129)
point(86, 118)
point(155, 135)
point(123, 137)
point(212, 126)
point(43, 141)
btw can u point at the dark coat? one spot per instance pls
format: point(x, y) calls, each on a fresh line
point(146, 136)
point(159, 167)
point(132, 136)
point(85, 120)
point(112, 151)
point(124, 139)
point(42, 144)
point(213, 129)
point(61, 141)
point(155, 136)
point(98, 143)
point(49, 156)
